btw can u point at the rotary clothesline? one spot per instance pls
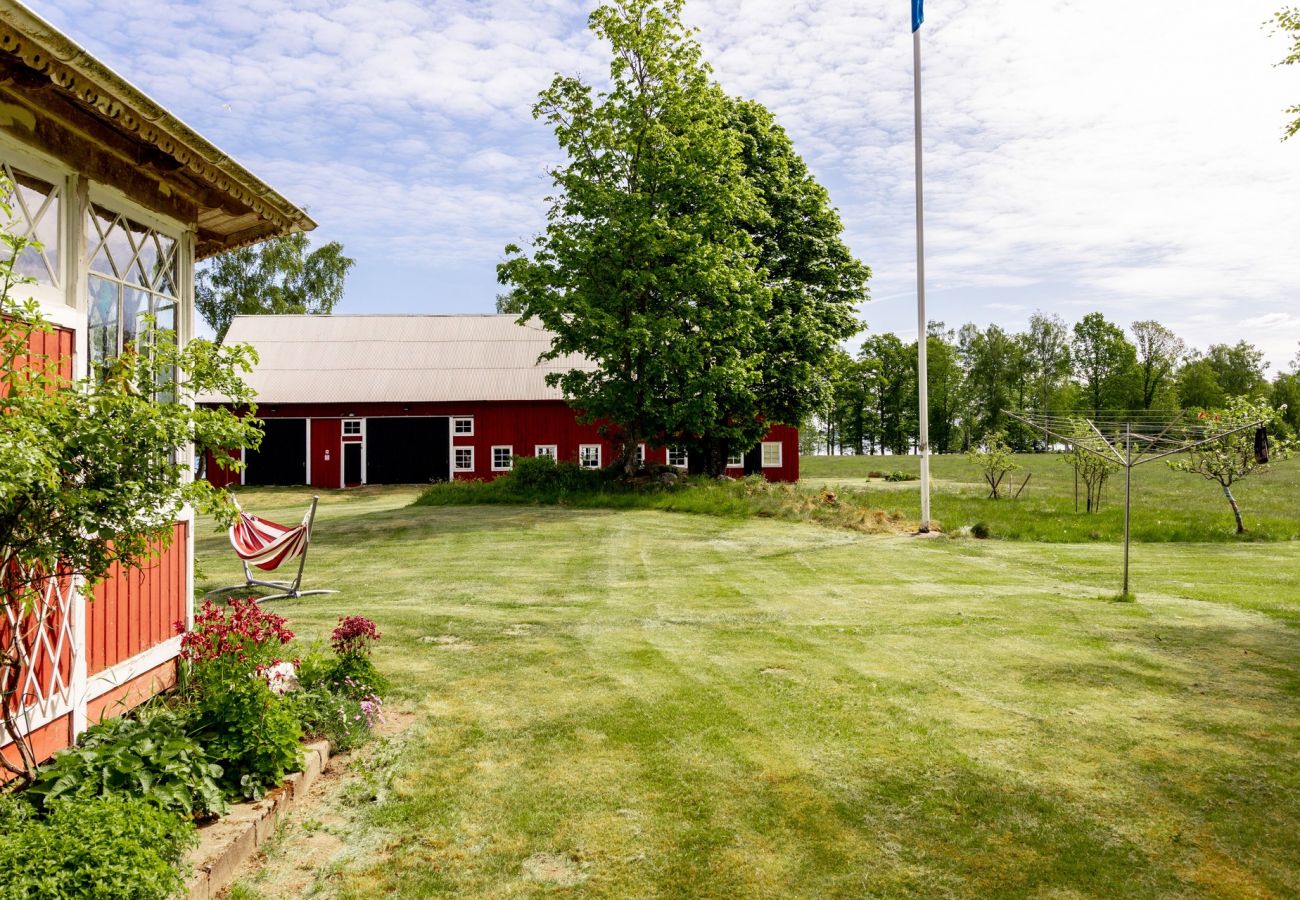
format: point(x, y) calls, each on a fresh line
point(1142, 436)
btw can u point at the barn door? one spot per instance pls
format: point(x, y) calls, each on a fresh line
point(282, 458)
point(351, 464)
point(407, 450)
point(754, 461)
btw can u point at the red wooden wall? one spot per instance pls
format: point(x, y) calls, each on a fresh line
point(521, 424)
point(57, 345)
point(135, 609)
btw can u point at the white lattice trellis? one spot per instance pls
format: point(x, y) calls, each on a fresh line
point(46, 690)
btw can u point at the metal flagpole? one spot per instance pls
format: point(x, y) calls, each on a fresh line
point(922, 343)
point(1128, 495)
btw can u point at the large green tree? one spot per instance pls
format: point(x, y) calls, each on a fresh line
point(1239, 368)
point(283, 275)
point(1105, 363)
point(992, 359)
point(1159, 352)
point(1198, 384)
point(688, 254)
point(1287, 20)
point(813, 281)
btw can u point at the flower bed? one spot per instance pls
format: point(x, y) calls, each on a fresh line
point(248, 699)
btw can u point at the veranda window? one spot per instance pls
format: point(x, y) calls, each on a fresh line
point(134, 273)
point(34, 215)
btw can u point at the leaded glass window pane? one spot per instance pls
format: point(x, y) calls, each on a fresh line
point(103, 320)
point(135, 307)
point(134, 276)
point(34, 214)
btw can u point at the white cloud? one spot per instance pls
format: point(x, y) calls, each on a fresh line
point(1080, 155)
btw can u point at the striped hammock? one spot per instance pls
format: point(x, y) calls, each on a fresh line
point(265, 544)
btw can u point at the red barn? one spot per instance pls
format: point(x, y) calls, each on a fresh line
point(399, 399)
point(124, 198)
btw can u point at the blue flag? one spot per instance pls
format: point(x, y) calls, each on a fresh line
point(918, 14)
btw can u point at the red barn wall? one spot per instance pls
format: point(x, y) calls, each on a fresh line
point(521, 425)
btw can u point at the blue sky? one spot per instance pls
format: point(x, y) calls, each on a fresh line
point(1080, 154)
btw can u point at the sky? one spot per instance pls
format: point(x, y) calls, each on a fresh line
point(1080, 155)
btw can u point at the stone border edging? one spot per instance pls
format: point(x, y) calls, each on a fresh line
point(229, 842)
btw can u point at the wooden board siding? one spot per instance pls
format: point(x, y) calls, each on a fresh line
point(57, 344)
point(135, 609)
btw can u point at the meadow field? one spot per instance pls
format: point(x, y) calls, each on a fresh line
point(633, 702)
point(1167, 505)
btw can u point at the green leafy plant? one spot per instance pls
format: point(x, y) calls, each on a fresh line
point(254, 735)
point(901, 476)
point(104, 847)
point(995, 460)
point(150, 756)
point(1240, 454)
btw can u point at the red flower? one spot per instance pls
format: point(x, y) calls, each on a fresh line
point(354, 636)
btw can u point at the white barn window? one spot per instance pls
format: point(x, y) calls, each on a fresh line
point(771, 454)
point(352, 427)
point(503, 458)
point(589, 456)
point(546, 450)
point(464, 459)
point(677, 457)
point(463, 425)
point(735, 460)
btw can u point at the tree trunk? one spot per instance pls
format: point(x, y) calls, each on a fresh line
point(1236, 511)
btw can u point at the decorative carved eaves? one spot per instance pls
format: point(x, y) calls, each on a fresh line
point(224, 191)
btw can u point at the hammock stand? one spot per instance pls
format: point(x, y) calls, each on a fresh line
point(267, 545)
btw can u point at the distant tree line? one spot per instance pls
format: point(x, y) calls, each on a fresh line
point(977, 376)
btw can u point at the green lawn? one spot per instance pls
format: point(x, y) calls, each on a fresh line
point(1167, 505)
point(643, 703)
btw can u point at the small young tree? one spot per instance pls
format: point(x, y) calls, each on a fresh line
point(995, 460)
point(1240, 454)
point(94, 472)
point(1092, 468)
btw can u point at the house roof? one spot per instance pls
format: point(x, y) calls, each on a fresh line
point(397, 358)
point(66, 97)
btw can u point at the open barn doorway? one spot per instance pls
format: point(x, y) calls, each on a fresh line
point(282, 458)
point(407, 450)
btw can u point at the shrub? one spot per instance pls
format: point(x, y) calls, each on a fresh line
point(109, 847)
point(229, 643)
point(252, 734)
point(901, 476)
point(150, 757)
point(541, 473)
point(339, 697)
point(980, 530)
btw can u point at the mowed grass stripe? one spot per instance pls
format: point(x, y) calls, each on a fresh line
point(680, 705)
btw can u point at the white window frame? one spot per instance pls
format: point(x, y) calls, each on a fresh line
point(779, 454)
point(346, 423)
point(640, 454)
point(582, 462)
point(548, 450)
point(455, 463)
point(455, 425)
point(735, 461)
point(679, 451)
point(510, 457)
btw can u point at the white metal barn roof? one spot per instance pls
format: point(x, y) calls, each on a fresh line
point(397, 358)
